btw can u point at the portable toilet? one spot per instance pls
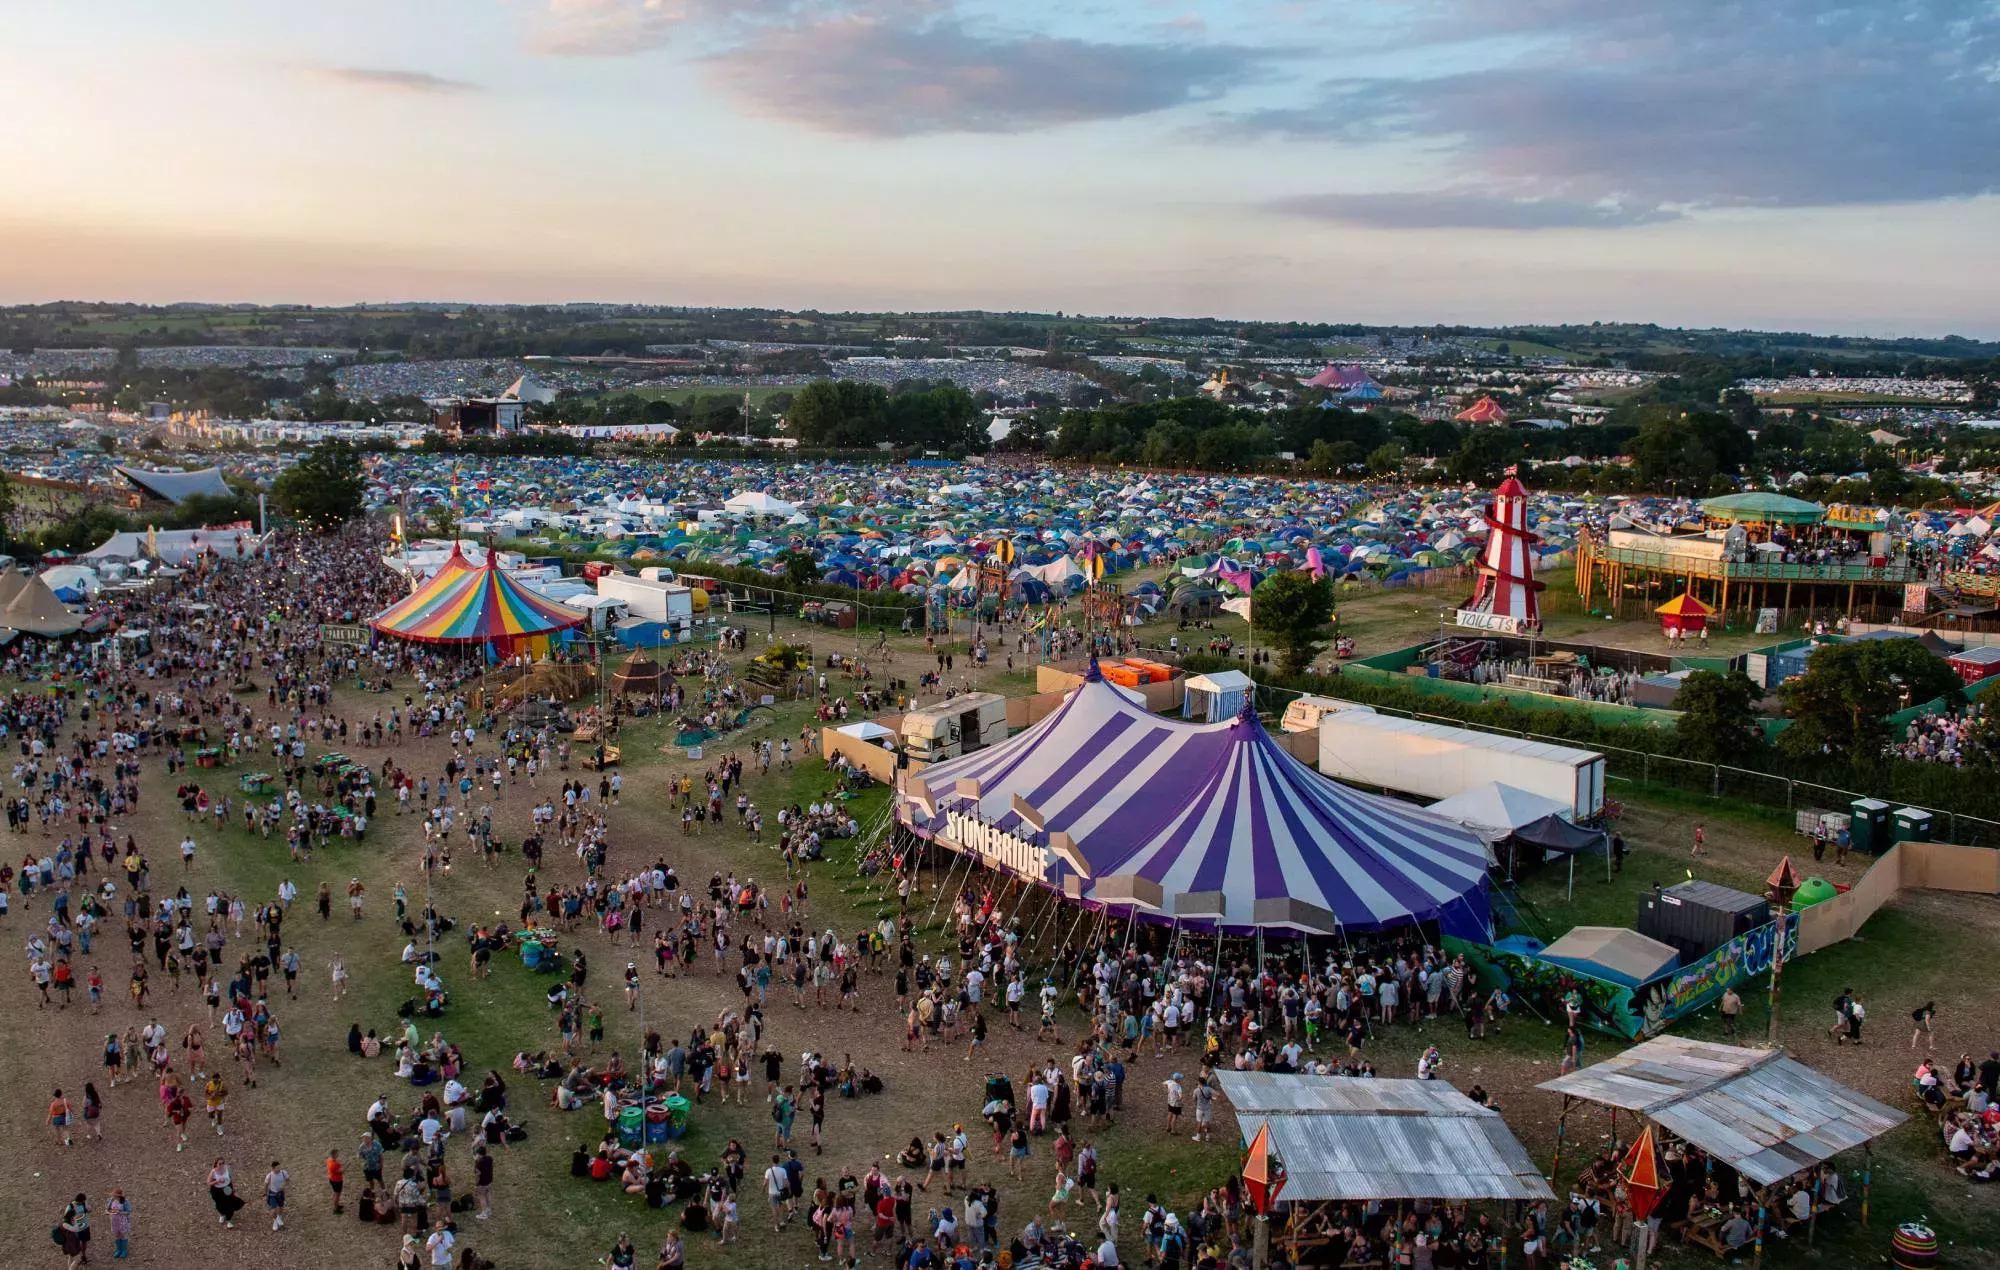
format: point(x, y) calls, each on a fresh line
point(1912, 824)
point(1870, 828)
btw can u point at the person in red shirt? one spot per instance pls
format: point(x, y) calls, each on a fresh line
point(885, 1217)
point(336, 1178)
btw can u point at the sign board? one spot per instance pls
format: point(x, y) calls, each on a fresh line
point(995, 846)
point(343, 633)
point(1499, 622)
point(1916, 597)
point(1767, 621)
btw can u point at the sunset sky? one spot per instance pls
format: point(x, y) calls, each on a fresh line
point(1796, 163)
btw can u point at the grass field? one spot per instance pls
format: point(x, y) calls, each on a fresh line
point(1520, 348)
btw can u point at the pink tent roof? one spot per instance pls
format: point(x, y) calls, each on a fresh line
point(1485, 410)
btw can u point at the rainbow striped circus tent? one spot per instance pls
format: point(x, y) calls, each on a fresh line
point(1203, 825)
point(464, 604)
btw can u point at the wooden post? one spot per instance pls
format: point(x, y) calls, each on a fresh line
point(1758, 1255)
point(1812, 1219)
point(1867, 1176)
point(1850, 601)
point(1260, 1249)
point(1785, 618)
point(1562, 1123)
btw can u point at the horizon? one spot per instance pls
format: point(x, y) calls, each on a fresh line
point(1055, 314)
point(1801, 167)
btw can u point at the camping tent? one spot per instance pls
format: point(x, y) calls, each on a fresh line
point(866, 730)
point(1494, 811)
point(757, 503)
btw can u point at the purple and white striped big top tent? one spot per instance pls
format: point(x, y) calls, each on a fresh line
point(1208, 825)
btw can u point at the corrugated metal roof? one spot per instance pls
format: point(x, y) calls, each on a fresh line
point(1766, 1115)
point(1342, 1138)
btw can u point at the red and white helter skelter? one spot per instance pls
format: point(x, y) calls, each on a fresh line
point(1507, 585)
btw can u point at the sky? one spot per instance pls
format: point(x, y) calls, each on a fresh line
point(1806, 164)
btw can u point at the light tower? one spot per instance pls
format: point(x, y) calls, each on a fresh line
point(1506, 595)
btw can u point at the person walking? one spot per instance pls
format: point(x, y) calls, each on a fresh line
point(1923, 1016)
point(1700, 839)
point(60, 1115)
point(73, 1231)
point(274, 1194)
point(1732, 1006)
point(222, 1194)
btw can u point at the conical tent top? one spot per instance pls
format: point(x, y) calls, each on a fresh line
point(1785, 878)
point(1263, 1174)
point(1640, 1171)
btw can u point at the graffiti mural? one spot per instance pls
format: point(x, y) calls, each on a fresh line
point(1542, 986)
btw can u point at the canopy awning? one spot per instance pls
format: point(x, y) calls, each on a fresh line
point(1343, 1139)
point(1765, 1115)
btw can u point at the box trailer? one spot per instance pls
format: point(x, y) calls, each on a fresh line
point(653, 600)
point(1433, 761)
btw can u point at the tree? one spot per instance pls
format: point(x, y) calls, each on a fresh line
point(801, 570)
point(323, 490)
point(1293, 611)
point(1837, 707)
point(1386, 459)
point(7, 509)
point(842, 414)
point(1482, 455)
point(1718, 722)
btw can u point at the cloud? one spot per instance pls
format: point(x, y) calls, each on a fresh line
point(864, 76)
point(399, 81)
point(1449, 209)
point(608, 28)
point(1687, 103)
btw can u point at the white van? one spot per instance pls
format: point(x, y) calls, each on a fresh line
point(961, 725)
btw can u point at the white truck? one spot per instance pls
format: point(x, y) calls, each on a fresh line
point(650, 599)
point(968, 722)
point(1434, 761)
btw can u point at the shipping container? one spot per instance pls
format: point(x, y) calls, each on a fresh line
point(1433, 761)
point(1975, 664)
point(1699, 917)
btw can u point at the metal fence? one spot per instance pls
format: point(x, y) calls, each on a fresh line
point(1645, 770)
